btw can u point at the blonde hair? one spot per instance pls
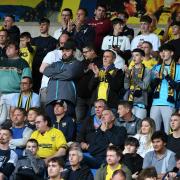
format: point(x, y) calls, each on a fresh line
point(151, 122)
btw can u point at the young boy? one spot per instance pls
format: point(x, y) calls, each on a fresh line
point(131, 159)
point(27, 51)
point(30, 167)
point(136, 83)
point(31, 116)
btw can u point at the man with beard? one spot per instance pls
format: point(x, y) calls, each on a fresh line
point(63, 75)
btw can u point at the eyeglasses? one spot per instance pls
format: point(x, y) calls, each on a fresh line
point(84, 52)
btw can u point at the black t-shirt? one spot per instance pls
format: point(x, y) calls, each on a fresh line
point(173, 144)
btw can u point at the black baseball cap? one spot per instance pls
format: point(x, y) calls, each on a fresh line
point(69, 44)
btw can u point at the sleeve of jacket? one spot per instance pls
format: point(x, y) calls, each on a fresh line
point(116, 137)
point(3, 111)
point(73, 71)
point(175, 85)
point(70, 131)
point(22, 141)
point(53, 69)
point(93, 83)
point(99, 174)
point(116, 82)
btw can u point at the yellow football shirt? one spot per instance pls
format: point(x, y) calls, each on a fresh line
point(49, 142)
point(110, 171)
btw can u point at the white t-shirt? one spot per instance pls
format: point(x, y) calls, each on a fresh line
point(122, 42)
point(152, 38)
point(58, 33)
point(51, 57)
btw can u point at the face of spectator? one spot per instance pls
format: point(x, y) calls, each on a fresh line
point(8, 22)
point(59, 110)
point(175, 30)
point(41, 125)
point(146, 48)
point(137, 57)
point(151, 178)
point(131, 7)
point(107, 59)
point(11, 51)
point(112, 158)
point(145, 127)
point(178, 164)
point(80, 16)
point(118, 177)
point(122, 17)
point(87, 53)
point(100, 13)
point(74, 158)
point(3, 37)
point(166, 55)
point(24, 41)
point(158, 145)
point(25, 85)
point(99, 108)
point(130, 148)
point(145, 27)
point(18, 118)
point(63, 38)
point(31, 116)
point(175, 123)
point(31, 146)
point(66, 16)
point(54, 169)
point(44, 28)
point(67, 53)
point(5, 136)
point(107, 117)
point(122, 111)
point(118, 27)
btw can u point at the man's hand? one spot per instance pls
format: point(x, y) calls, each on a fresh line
point(2, 176)
point(95, 70)
point(84, 145)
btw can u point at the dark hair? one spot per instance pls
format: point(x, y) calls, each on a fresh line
point(150, 44)
point(126, 104)
point(85, 11)
point(58, 160)
point(166, 47)
point(117, 21)
point(160, 135)
point(14, 43)
point(11, 16)
point(22, 110)
point(46, 118)
point(132, 141)
point(90, 46)
point(175, 114)
point(140, 51)
point(30, 79)
point(146, 19)
point(44, 20)
point(5, 30)
point(177, 156)
point(115, 149)
point(147, 173)
point(103, 5)
point(25, 34)
point(7, 129)
point(120, 172)
point(112, 52)
point(33, 141)
point(69, 10)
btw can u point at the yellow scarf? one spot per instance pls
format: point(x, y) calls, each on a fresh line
point(134, 87)
point(170, 89)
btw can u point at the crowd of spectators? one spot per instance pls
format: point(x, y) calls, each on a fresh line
point(96, 101)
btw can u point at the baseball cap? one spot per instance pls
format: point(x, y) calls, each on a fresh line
point(69, 44)
point(62, 103)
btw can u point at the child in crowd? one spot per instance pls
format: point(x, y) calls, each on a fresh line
point(31, 116)
point(27, 51)
point(136, 83)
point(147, 128)
point(131, 159)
